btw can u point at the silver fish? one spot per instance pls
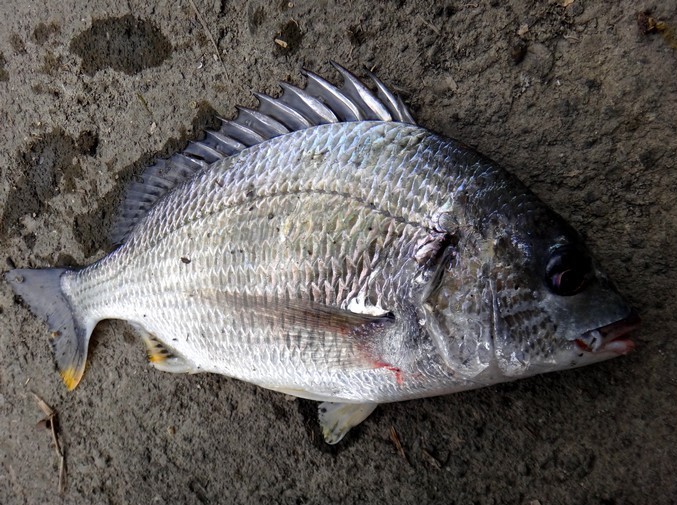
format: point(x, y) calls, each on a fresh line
point(327, 247)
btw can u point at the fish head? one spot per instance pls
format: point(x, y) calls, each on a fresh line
point(553, 306)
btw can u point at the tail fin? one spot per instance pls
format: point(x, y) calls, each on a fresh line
point(41, 291)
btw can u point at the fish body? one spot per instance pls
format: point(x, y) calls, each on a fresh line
point(327, 247)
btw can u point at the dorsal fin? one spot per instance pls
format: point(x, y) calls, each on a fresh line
point(158, 179)
point(296, 109)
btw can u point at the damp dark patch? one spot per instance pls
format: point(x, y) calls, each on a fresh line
point(93, 230)
point(356, 35)
point(65, 260)
point(30, 239)
point(593, 84)
point(256, 17)
point(51, 63)
point(43, 32)
point(518, 51)
point(224, 7)
point(39, 164)
point(127, 44)
point(4, 75)
point(40, 89)
point(289, 38)
point(17, 43)
point(45, 167)
point(88, 142)
point(649, 158)
point(202, 39)
point(89, 230)
point(445, 11)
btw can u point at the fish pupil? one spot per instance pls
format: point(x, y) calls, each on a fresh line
point(568, 281)
point(568, 271)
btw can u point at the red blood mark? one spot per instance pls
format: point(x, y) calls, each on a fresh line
point(582, 345)
point(398, 373)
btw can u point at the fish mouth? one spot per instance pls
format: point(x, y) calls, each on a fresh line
point(610, 338)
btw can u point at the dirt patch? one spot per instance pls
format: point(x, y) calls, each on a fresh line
point(44, 31)
point(47, 166)
point(289, 38)
point(4, 75)
point(127, 44)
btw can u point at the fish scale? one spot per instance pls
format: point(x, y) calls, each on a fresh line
point(355, 262)
point(223, 208)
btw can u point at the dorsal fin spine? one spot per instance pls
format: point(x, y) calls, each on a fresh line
point(240, 132)
point(388, 99)
point(266, 126)
point(342, 106)
point(229, 145)
point(312, 108)
point(282, 112)
point(360, 94)
point(296, 109)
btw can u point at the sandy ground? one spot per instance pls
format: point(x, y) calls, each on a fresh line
point(576, 97)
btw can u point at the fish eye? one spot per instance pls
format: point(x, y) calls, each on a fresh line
point(568, 271)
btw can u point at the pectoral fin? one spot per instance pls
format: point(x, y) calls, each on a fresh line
point(319, 333)
point(336, 419)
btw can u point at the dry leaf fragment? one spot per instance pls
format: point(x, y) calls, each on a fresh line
point(42, 404)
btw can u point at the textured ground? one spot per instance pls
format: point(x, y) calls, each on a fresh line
point(579, 98)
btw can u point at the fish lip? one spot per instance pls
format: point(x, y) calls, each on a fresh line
point(610, 338)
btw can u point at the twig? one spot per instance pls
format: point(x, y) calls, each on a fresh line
point(50, 421)
point(209, 34)
point(394, 437)
point(429, 24)
point(433, 460)
point(62, 475)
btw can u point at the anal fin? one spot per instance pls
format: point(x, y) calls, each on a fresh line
point(163, 358)
point(336, 419)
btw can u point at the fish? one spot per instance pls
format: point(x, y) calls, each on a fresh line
point(325, 246)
